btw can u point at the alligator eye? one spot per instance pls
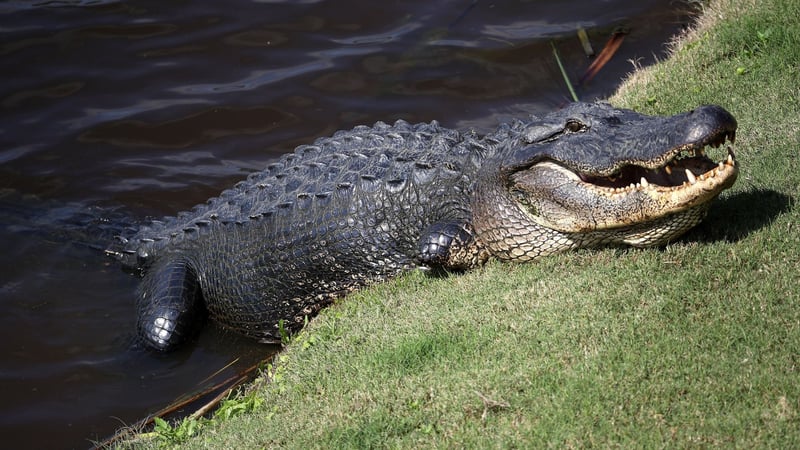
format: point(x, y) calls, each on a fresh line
point(520, 196)
point(575, 126)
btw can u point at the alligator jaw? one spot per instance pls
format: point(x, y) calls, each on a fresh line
point(677, 167)
point(632, 196)
point(683, 176)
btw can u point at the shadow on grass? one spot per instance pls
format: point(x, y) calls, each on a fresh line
point(734, 217)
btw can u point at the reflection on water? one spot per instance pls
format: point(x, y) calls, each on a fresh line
point(111, 112)
point(320, 61)
point(94, 116)
point(182, 132)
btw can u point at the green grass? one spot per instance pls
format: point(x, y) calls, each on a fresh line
point(694, 345)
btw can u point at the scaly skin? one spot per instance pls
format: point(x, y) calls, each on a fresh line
point(370, 203)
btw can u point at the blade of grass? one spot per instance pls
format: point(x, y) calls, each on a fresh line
point(564, 73)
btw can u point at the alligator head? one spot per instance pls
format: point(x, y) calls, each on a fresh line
point(593, 175)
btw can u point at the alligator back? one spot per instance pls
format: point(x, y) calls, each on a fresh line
point(327, 218)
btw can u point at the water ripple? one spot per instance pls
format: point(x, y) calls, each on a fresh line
point(380, 38)
point(94, 116)
point(533, 29)
point(13, 6)
point(323, 60)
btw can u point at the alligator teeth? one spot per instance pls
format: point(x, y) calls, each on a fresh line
point(668, 170)
point(644, 183)
point(690, 176)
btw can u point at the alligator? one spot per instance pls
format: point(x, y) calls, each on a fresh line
point(367, 204)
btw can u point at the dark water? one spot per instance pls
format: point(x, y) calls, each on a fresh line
point(111, 112)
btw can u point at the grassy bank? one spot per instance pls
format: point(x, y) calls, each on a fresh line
point(697, 344)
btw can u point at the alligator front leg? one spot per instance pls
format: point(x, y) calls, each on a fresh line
point(170, 304)
point(450, 245)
